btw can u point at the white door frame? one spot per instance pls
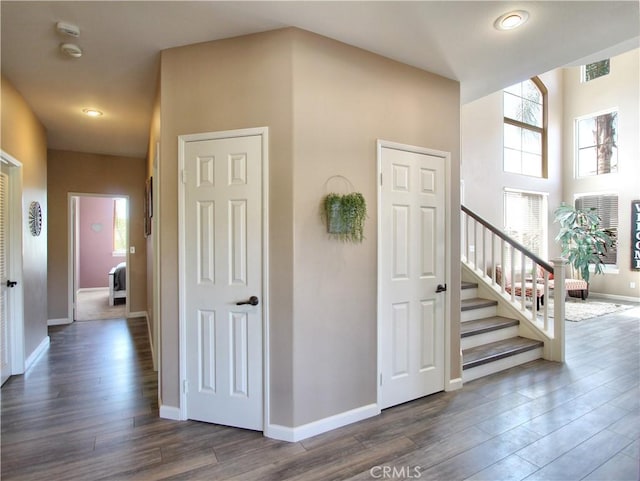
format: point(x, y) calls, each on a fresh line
point(71, 276)
point(448, 236)
point(16, 316)
point(182, 141)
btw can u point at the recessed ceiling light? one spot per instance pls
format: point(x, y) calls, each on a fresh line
point(511, 20)
point(92, 112)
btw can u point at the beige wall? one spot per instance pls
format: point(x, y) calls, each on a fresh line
point(482, 171)
point(231, 84)
point(24, 138)
point(618, 90)
point(152, 276)
point(93, 174)
point(344, 100)
point(325, 104)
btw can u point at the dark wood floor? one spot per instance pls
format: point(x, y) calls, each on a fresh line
point(87, 410)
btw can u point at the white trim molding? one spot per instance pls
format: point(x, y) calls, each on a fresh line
point(170, 412)
point(453, 384)
point(37, 352)
point(298, 433)
point(59, 322)
point(136, 314)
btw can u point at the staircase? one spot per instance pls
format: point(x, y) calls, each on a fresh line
point(490, 343)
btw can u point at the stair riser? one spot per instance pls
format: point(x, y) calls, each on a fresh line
point(487, 337)
point(481, 313)
point(468, 293)
point(501, 365)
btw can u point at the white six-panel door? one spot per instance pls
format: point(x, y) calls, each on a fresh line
point(223, 266)
point(411, 266)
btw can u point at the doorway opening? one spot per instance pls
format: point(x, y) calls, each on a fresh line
point(99, 255)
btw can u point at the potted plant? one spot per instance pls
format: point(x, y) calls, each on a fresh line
point(345, 215)
point(582, 239)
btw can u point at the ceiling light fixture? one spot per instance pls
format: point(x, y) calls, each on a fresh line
point(511, 20)
point(92, 113)
point(71, 49)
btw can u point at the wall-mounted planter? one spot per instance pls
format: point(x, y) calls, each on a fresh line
point(345, 215)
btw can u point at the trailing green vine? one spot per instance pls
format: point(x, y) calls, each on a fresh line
point(345, 216)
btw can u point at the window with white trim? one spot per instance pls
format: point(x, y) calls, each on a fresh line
point(606, 206)
point(525, 219)
point(597, 149)
point(525, 128)
point(592, 71)
point(119, 226)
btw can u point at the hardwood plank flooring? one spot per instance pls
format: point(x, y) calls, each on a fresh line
point(87, 410)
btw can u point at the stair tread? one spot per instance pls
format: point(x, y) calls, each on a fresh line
point(469, 285)
point(487, 324)
point(493, 351)
point(477, 303)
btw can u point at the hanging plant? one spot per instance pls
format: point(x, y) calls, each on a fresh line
point(345, 215)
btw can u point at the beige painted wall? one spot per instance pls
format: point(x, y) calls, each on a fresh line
point(618, 90)
point(24, 138)
point(154, 139)
point(325, 104)
point(482, 171)
point(344, 100)
point(231, 84)
point(93, 174)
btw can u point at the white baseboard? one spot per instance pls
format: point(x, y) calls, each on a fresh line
point(170, 412)
point(320, 426)
point(137, 314)
point(453, 384)
point(38, 351)
point(59, 322)
point(614, 297)
point(89, 289)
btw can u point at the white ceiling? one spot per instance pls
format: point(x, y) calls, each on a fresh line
point(121, 41)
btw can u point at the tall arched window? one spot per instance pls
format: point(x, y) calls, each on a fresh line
point(525, 128)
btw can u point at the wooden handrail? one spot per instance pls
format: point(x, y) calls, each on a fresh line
point(544, 264)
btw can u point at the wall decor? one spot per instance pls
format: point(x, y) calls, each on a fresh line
point(345, 215)
point(35, 218)
point(148, 206)
point(635, 235)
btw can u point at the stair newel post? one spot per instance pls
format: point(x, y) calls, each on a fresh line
point(559, 266)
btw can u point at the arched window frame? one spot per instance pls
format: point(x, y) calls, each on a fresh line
point(542, 130)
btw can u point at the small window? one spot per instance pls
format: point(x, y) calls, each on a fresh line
point(606, 206)
point(525, 128)
point(592, 71)
point(525, 220)
point(120, 226)
point(597, 139)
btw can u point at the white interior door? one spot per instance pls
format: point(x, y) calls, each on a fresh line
point(411, 267)
point(5, 353)
point(223, 267)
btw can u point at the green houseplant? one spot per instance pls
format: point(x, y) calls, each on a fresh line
point(345, 216)
point(582, 239)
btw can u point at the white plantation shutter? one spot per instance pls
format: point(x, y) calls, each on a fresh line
point(4, 328)
point(525, 220)
point(606, 206)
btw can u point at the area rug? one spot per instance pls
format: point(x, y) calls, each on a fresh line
point(576, 311)
point(93, 304)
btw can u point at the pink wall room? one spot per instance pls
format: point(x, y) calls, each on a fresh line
point(95, 241)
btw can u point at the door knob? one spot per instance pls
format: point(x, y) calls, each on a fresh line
point(441, 288)
point(253, 301)
point(12, 283)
